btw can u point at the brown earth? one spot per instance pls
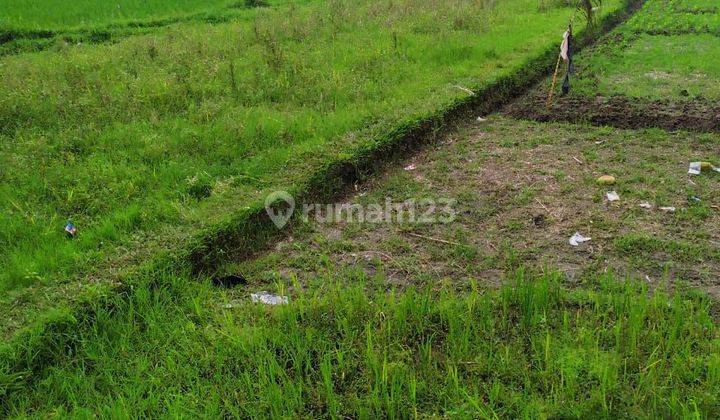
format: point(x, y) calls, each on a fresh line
point(698, 115)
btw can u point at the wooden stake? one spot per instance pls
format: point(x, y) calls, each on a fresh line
point(554, 83)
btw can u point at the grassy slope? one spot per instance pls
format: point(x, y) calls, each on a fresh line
point(124, 139)
point(640, 65)
point(640, 76)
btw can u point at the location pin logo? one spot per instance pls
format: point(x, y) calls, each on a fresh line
point(280, 213)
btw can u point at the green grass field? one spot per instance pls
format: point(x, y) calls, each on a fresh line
point(384, 324)
point(531, 349)
point(56, 15)
point(667, 51)
point(151, 138)
point(654, 67)
point(708, 6)
point(677, 17)
point(160, 146)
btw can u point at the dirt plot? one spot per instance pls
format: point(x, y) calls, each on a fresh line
point(522, 189)
point(698, 114)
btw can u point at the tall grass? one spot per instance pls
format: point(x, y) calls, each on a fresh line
point(64, 15)
point(532, 349)
point(143, 142)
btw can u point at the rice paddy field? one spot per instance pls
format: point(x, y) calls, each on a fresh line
point(58, 14)
point(655, 67)
point(677, 16)
point(159, 128)
point(143, 142)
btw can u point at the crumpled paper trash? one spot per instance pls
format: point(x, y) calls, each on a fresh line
point(577, 239)
point(268, 298)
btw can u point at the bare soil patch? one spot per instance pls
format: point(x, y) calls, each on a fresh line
point(522, 189)
point(699, 115)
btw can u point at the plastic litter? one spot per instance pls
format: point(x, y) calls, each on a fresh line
point(71, 230)
point(577, 239)
point(708, 165)
point(481, 119)
point(612, 196)
point(606, 180)
point(668, 209)
point(466, 90)
point(646, 205)
point(268, 298)
point(697, 167)
point(410, 167)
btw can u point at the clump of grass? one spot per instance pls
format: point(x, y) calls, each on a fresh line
point(587, 9)
point(530, 349)
point(200, 186)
